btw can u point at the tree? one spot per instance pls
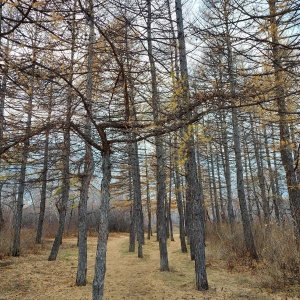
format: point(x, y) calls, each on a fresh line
point(88, 161)
point(286, 150)
point(193, 191)
point(25, 152)
point(160, 163)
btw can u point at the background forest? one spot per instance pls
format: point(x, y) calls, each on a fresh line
point(148, 113)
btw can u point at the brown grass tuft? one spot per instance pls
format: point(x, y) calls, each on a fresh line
point(28, 245)
point(279, 257)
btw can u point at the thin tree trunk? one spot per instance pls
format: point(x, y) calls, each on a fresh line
point(170, 224)
point(132, 231)
point(214, 185)
point(134, 159)
point(275, 196)
point(100, 264)
point(261, 177)
point(178, 194)
point(276, 175)
point(212, 204)
point(149, 229)
point(248, 183)
point(227, 173)
point(62, 205)
point(160, 168)
point(193, 186)
point(253, 184)
point(249, 241)
point(25, 152)
point(3, 91)
point(223, 216)
point(179, 202)
point(39, 231)
point(137, 197)
point(89, 166)
point(286, 150)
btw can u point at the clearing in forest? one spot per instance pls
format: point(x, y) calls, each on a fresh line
point(128, 277)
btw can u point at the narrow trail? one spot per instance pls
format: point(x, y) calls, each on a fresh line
point(32, 277)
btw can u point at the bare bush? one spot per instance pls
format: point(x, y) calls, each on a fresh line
point(118, 220)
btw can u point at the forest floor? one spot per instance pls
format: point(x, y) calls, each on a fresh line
point(128, 277)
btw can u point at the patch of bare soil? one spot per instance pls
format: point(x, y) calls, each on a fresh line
point(127, 277)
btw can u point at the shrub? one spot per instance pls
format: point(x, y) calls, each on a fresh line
point(118, 220)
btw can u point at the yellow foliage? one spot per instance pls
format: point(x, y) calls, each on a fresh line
point(55, 16)
point(37, 4)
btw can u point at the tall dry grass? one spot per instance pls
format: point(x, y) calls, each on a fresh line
point(279, 256)
point(28, 245)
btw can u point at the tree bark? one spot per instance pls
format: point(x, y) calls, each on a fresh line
point(179, 202)
point(39, 231)
point(193, 188)
point(274, 197)
point(137, 197)
point(62, 204)
point(286, 150)
point(213, 178)
point(25, 152)
point(149, 228)
point(261, 177)
point(89, 167)
point(132, 230)
point(160, 165)
point(249, 241)
point(100, 264)
point(227, 173)
point(3, 91)
point(169, 212)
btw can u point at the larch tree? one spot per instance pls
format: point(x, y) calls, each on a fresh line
point(160, 169)
point(62, 203)
point(193, 190)
point(88, 170)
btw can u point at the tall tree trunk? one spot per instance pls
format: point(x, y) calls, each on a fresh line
point(3, 90)
point(248, 189)
point(132, 230)
point(260, 174)
point(211, 197)
point(227, 173)
point(253, 183)
point(249, 241)
point(286, 149)
point(39, 231)
point(89, 167)
point(179, 202)
point(137, 197)
point(178, 193)
point(223, 216)
point(160, 166)
point(62, 205)
point(213, 178)
point(276, 175)
point(25, 152)
point(275, 196)
point(100, 264)
point(169, 211)
point(193, 186)
point(149, 229)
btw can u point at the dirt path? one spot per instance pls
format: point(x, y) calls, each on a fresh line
point(32, 277)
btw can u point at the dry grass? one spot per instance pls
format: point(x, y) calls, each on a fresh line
point(231, 273)
point(279, 259)
point(128, 277)
point(28, 245)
